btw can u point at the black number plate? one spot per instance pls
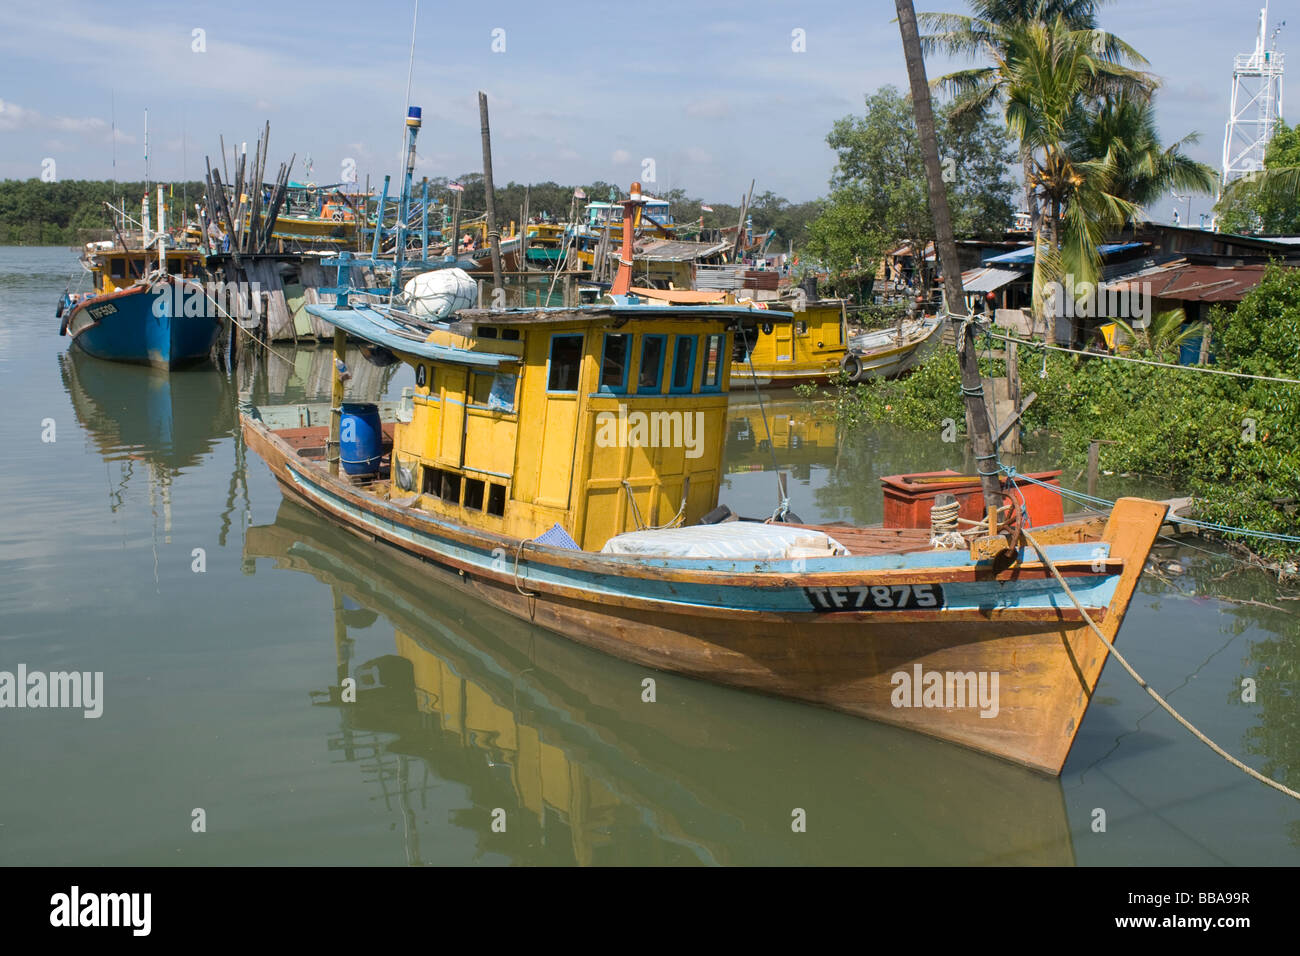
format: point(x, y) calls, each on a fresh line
point(879, 597)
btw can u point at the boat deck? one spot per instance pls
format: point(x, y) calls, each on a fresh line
point(862, 541)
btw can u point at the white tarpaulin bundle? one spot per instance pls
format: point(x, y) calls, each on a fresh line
point(743, 540)
point(440, 293)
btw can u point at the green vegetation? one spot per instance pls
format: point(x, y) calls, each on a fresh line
point(1232, 443)
point(1080, 109)
point(878, 193)
point(35, 213)
point(1267, 203)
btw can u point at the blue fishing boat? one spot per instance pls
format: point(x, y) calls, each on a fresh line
point(144, 307)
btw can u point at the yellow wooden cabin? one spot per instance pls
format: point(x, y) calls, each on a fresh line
point(807, 346)
point(602, 420)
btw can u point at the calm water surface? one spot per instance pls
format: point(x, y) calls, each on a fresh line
point(222, 687)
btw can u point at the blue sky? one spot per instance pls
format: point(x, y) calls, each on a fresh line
point(713, 92)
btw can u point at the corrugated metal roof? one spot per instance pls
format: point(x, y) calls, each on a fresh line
point(1196, 283)
point(674, 250)
point(986, 279)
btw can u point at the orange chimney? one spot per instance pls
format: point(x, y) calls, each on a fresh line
point(623, 280)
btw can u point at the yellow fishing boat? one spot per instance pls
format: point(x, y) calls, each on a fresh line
point(565, 465)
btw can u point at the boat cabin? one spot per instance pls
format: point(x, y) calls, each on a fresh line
point(598, 214)
point(808, 343)
point(599, 420)
point(113, 268)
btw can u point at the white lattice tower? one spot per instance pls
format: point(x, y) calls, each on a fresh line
point(1256, 106)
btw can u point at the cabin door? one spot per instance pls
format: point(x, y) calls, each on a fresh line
point(454, 388)
point(783, 338)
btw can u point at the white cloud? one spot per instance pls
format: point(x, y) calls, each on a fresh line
point(621, 156)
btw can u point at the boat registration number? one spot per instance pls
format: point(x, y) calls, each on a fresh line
point(99, 311)
point(880, 597)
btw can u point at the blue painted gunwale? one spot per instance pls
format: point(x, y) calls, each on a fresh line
point(779, 597)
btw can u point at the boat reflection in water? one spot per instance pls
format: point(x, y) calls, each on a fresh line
point(560, 738)
point(138, 412)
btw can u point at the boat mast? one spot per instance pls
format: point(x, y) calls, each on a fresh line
point(977, 416)
point(494, 237)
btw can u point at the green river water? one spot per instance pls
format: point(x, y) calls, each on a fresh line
point(217, 700)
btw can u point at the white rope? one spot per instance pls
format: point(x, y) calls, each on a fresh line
point(1047, 562)
point(967, 319)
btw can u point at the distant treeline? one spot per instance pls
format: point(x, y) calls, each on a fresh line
point(34, 213)
point(70, 212)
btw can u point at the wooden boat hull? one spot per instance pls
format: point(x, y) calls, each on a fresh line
point(805, 634)
point(123, 326)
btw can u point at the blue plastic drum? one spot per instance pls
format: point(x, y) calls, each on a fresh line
point(361, 439)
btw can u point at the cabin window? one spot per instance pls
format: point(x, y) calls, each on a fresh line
point(565, 363)
point(474, 494)
point(652, 363)
point(613, 363)
point(487, 331)
point(712, 378)
point(510, 335)
point(482, 388)
point(496, 503)
point(117, 268)
point(443, 484)
point(683, 363)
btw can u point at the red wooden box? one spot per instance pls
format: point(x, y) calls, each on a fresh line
point(908, 498)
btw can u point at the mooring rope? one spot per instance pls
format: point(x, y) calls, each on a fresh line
point(1251, 771)
point(981, 322)
point(783, 493)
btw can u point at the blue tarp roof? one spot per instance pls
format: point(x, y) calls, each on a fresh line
point(374, 326)
point(1025, 256)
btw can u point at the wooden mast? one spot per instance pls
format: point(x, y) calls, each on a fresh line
point(977, 416)
point(494, 237)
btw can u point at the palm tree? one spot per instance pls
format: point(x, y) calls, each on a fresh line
point(985, 33)
point(1049, 76)
point(977, 419)
point(1125, 129)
